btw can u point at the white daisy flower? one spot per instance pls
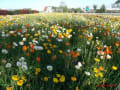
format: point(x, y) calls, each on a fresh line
point(87, 73)
point(24, 63)
point(68, 50)
point(18, 63)
point(24, 67)
point(59, 40)
point(4, 51)
point(11, 32)
point(78, 49)
point(8, 65)
point(38, 48)
point(49, 67)
point(21, 43)
point(24, 39)
point(3, 35)
point(78, 66)
point(88, 43)
point(73, 32)
point(15, 44)
point(21, 59)
point(108, 56)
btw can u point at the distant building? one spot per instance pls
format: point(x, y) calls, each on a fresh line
point(116, 5)
point(48, 9)
point(3, 12)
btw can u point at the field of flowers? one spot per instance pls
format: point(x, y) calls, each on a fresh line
point(54, 51)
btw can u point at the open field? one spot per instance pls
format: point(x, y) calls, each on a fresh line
point(56, 51)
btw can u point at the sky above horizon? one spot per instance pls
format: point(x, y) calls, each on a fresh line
point(40, 4)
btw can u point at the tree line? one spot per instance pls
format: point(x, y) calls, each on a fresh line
point(18, 11)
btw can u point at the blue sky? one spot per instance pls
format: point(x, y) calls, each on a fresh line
point(40, 4)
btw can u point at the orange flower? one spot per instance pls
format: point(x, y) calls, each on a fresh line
point(32, 50)
point(49, 35)
point(71, 52)
point(26, 36)
point(38, 59)
point(0, 46)
point(73, 79)
point(101, 68)
point(27, 54)
point(66, 54)
point(24, 48)
point(31, 46)
point(67, 44)
point(97, 48)
point(54, 57)
point(108, 51)
point(116, 44)
point(112, 35)
point(20, 31)
point(118, 51)
point(79, 35)
point(104, 34)
point(8, 45)
point(77, 53)
point(28, 25)
point(73, 55)
point(85, 36)
point(59, 37)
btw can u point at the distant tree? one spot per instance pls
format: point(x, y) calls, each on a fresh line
point(95, 7)
point(118, 1)
point(63, 7)
point(79, 10)
point(102, 9)
point(54, 9)
point(72, 10)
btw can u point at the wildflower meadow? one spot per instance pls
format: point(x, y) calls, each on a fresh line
point(59, 51)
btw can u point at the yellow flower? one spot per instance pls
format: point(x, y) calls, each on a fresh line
point(31, 36)
point(54, 46)
point(36, 34)
point(9, 88)
point(100, 74)
point(20, 82)
point(96, 75)
point(95, 70)
point(114, 68)
point(104, 80)
point(48, 51)
point(62, 78)
point(45, 79)
point(58, 75)
point(60, 51)
point(38, 69)
point(50, 44)
point(97, 60)
point(77, 88)
point(36, 73)
point(55, 80)
point(90, 38)
point(46, 47)
point(73, 79)
point(69, 30)
point(98, 42)
point(44, 44)
point(24, 78)
point(15, 77)
point(55, 33)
